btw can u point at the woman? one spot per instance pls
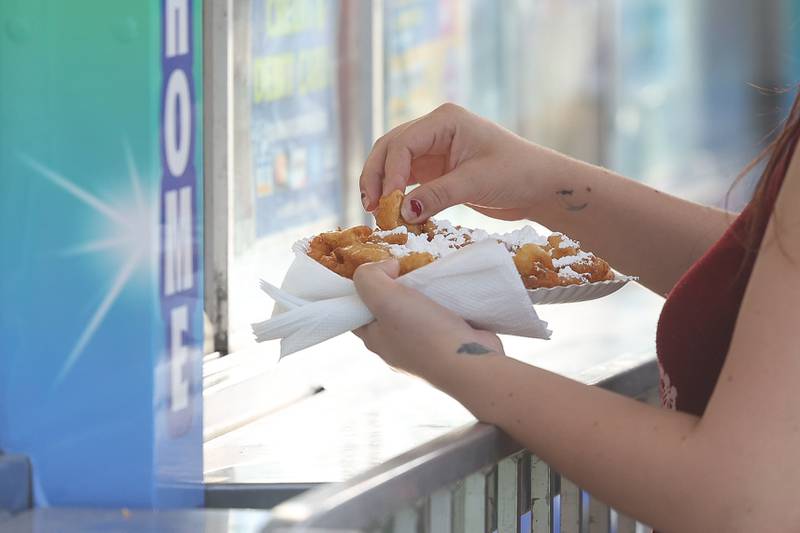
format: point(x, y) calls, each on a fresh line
point(723, 455)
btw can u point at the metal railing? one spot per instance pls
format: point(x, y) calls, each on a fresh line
point(474, 479)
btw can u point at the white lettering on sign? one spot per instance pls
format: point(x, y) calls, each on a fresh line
point(179, 387)
point(178, 260)
point(177, 136)
point(177, 31)
point(180, 263)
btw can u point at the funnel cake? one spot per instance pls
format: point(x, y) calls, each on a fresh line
point(553, 261)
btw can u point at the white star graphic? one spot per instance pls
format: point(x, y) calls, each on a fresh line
point(131, 236)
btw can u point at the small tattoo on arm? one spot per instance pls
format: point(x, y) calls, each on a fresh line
point(577, 207)
point(474, 348)
point(566, 199)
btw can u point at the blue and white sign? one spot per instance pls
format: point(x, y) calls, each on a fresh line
point(294, 113)
point(101, 270)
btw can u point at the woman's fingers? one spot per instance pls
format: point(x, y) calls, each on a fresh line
point(373, 174)
point(456, 187)
point(376, 286)
point(410, 331)
point(371, 180)
point(388, 166)
point(429, 136)
point(428, 167)
point(390, 301)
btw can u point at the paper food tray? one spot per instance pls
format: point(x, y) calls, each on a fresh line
point(551, 295)
point(577, 293)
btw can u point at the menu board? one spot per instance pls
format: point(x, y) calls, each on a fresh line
point(294, 119)
point(447, 51)
point(423, 56)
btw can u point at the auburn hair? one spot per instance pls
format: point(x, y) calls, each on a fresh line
point(778, 155)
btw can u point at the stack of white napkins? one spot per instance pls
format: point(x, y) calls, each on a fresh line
point(478, 282)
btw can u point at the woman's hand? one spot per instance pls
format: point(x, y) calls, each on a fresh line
point(457, 157)
point(460, 158)
point(411, 332)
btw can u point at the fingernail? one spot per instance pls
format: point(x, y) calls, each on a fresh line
point(411, 209)
point(416, 206)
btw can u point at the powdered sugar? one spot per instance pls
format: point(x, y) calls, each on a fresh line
point(479, 235)
point(399, 230)
point(514, 239)
point(447, 238)
point(398, 250)
point(566, 242)
point(458, 235)
point(439, 246)
point(580, 257)
point(567, 273)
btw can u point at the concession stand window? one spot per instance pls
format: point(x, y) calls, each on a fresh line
point(297, 91)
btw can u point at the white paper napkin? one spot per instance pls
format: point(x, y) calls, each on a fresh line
point(478, 282)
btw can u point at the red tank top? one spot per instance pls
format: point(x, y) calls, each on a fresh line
point(697, 320)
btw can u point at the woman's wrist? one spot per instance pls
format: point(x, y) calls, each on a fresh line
point(464, 369)
point(567, 189)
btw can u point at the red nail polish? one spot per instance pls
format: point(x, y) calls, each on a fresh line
point(416, 206)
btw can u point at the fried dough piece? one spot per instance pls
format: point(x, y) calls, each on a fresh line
point(322, 246)
point(429, 228)
point(324, 243)
point(413, 261)
point(318, 248)
point(331, 263)
point(596, 270)
point(362, 253)
point(343, 251)
point(556, 243)
point(541, 278)
point(530, 257)
point(592, 267)
point(346, 237)
point(353, 256)
point(388, 216)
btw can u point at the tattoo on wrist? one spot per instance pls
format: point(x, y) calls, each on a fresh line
point(474, 348)
point(566, 197)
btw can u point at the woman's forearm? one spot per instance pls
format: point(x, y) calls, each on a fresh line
point(602, 441)
point(638, 229)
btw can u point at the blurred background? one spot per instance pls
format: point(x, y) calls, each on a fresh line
point(676, 93)
point(679, 94)
point(97, 351)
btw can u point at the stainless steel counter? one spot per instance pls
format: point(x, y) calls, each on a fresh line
point(68, 520)
point(336, 410)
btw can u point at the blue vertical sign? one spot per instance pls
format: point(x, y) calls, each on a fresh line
point(101, 269)
point(179, 219)
point(178, 378)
